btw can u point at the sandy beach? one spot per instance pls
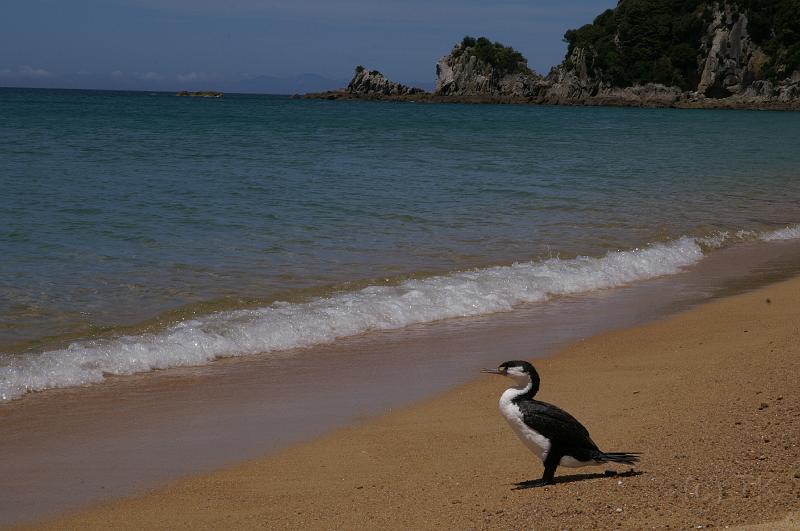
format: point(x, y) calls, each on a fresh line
point(708, 396)
point(263, 308)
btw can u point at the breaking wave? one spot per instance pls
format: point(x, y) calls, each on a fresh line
point(281, 326)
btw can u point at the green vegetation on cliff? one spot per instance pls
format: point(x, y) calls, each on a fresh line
point(643, 41)
point(659, 41)
point(775, 26)
point(504, 59)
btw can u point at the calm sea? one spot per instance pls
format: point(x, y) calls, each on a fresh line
point(142, 231)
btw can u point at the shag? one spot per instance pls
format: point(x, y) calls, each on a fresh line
point(548, 431)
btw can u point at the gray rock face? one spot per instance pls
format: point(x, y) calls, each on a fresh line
point(462, 74)
point(372, 82)
point(571, 80)
point(731, 61)
point(731, 64)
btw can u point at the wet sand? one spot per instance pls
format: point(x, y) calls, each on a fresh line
point(709, 396)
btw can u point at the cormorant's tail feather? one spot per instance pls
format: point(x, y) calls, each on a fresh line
point(627, 458)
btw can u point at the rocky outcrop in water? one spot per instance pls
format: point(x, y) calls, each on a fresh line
point(372, 82)
point(478, 67)
point(201, 94)
point(371, 85)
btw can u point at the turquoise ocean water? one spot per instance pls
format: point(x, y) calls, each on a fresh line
point(260, 223)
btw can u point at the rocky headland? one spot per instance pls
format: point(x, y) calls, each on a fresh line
point(647, 53)
point(372, 82)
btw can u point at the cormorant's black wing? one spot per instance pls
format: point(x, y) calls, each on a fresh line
point(558, 426)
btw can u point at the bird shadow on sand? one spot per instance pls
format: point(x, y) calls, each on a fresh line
point(571, 478)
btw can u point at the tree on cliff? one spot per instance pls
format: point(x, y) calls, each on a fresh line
point(504, 59)
point(775, 26)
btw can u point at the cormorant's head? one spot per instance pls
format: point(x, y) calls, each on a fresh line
point(521, 371)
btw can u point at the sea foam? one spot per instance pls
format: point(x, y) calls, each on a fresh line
point(789, 233)
point(282, 326)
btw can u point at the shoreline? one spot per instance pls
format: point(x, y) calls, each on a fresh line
point(593, 101)
point(450, 461)
point(193, 338)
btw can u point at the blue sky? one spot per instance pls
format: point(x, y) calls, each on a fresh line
point(174, 44)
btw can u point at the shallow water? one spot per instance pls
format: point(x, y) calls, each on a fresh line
point(119, 207)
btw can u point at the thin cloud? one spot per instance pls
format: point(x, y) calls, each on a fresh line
point(29, 71)
point(193, 76)
point(151, 76)
point(26, 72)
